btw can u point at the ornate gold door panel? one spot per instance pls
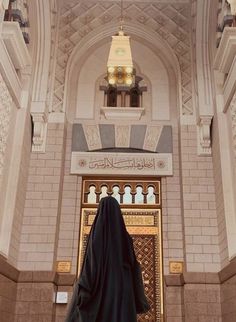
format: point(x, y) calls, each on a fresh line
point(142, 217)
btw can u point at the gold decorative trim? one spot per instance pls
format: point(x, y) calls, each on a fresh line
point(143, 230)
point(130, 220)
point(63, 266)
point(176, 267)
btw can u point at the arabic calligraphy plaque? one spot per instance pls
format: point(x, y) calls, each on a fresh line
point(121, 163)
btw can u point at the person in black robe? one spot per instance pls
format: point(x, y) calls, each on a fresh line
point(110, 286)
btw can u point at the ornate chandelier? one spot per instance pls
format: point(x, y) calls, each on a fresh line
point(120, 69)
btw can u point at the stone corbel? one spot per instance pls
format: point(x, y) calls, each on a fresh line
point(204, 135)
point(39, 132)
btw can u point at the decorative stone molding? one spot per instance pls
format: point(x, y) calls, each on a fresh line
point(233, 119)
point(122, 136)
point(126, 113)
point(226, 51)
point(39, 107)
point(203, 66)
point(5, 114)
point(152, 137)
point(225, 63)
point(90, 137)
point(15, 44)
point(39, 132)
point(204, 135)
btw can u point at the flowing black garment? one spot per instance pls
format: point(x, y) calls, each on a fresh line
point(110, 287)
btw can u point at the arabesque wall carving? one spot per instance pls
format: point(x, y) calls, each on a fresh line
point(170, 21)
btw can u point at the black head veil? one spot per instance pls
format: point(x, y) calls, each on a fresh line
point(110, 287)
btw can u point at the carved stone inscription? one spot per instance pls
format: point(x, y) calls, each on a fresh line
point(121, 163)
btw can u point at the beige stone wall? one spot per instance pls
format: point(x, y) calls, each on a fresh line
point(42, 204)
point(174, 304)
point(228, 300)
point(35, 302)
point(70, 210)
point(61, 310)
point(7, 298)
point(202, 302)
point(219, 195)
point(171, 211)
point(68, 240)
point(200, 217)
point(21, 193)
point(193, 297)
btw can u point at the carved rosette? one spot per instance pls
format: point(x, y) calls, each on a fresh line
point(204, 135)
point(39, 132)
point(5, 115)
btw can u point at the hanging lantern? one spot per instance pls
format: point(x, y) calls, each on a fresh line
point(120, 69)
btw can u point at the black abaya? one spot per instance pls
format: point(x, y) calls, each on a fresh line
point(110, 287)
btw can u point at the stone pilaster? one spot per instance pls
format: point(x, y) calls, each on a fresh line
point(233, 119)
point(5, 113)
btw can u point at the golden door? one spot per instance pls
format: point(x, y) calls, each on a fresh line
point(141, 208)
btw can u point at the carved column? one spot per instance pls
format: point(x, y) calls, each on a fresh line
point(5, 114)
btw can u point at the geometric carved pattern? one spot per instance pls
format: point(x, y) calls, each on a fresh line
point(92, 137)
point(122, 135)
point(152, 137)
point(5, 114)
point(170, 21)
point(145, 250)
